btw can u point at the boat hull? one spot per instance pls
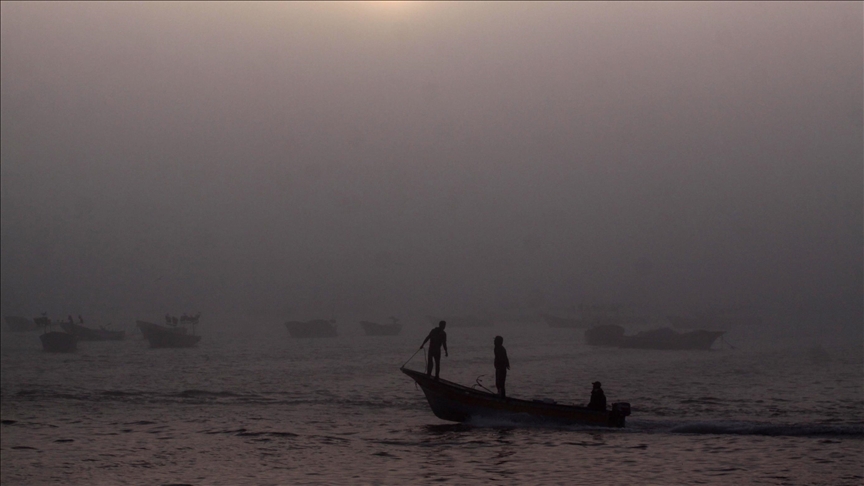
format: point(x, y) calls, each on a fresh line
point(457, 403)
point(59, 342)
point(159, 338)
point(88, 334)
point(148, 327)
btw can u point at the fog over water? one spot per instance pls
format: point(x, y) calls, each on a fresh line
point(317, 159)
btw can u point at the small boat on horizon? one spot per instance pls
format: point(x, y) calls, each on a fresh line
point(89, 334)
point(458, 403)
point(664, 338)
point(376, 329)
point(55, 341)
point(59, 342)
point(316, 328)
point(161, 338)
point(147, 327)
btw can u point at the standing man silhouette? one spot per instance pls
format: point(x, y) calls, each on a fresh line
point(437, 338)
point(502, 364)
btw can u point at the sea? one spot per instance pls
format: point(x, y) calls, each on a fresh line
point(251, 405)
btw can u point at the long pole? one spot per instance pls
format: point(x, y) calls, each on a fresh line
point(415, 354)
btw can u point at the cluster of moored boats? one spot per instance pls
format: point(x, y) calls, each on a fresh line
point(71, 333)
point(448, 400)
point(180, 332)
point(324, 328)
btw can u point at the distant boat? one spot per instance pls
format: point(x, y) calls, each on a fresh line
point(316, 328)
point(59, 342)
point(458, 403)
point(375, 329)
point(88, 334)
point(20, 324)
point(55, 341)
point(148, 327)
point(162, 337)
point(466, 321)
point(664, 338)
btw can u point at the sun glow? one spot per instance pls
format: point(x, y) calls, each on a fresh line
point(391, 6)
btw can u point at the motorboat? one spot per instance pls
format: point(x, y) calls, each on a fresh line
point(459, 403)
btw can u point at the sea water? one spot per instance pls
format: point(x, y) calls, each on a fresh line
point(251, 405)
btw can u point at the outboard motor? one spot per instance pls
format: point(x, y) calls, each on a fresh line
point(619, 411)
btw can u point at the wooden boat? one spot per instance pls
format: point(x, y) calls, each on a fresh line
point(458, 403)
point(89, 334)
point(376, 329)
point(169, 338)
point(59, 342)
point(663, 338)
point(147, 327)
point(20, 324)
point(316, 328)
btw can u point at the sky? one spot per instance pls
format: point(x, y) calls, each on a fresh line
point(291, 159)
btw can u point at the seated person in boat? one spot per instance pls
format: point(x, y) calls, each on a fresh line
point(598, 398)
point(502, 364)
point(437, 338)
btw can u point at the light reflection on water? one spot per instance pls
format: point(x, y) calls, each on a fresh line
point(266, 409)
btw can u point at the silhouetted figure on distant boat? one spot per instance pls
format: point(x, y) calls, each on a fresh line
point(437, 338)
point(71, 321)
point(80, 319)
point(502, 364)
point(598, 398)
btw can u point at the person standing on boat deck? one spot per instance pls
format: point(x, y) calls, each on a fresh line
point(502, 364)
point(437, 338)
point(598, 398)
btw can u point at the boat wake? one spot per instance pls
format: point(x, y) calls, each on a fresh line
point(733, 427)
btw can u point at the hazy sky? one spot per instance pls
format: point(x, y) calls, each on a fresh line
point(445, 157)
